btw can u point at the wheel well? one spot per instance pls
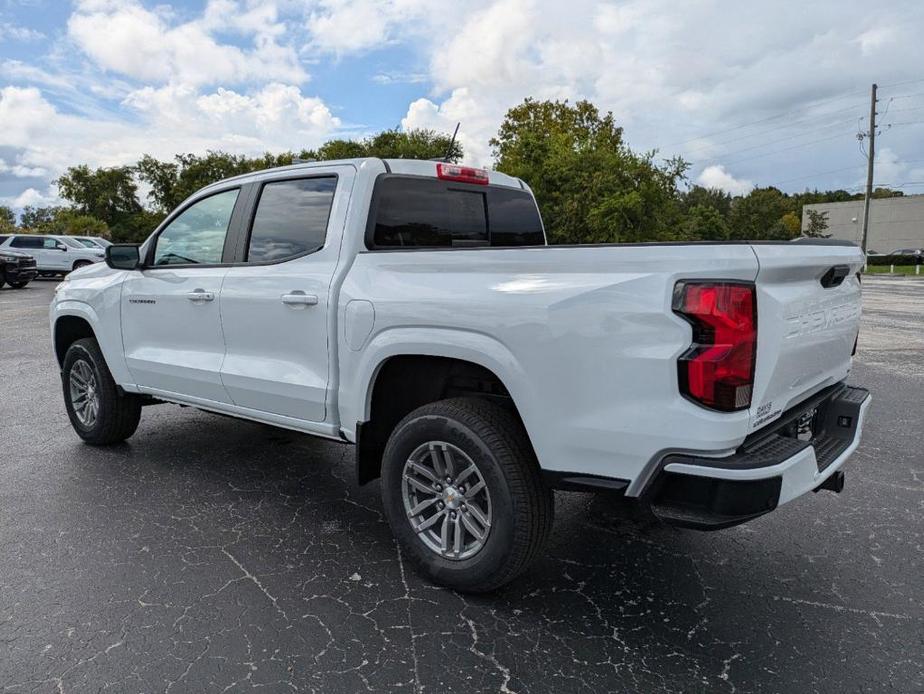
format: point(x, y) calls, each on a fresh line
point(81, 262)
point(69, 329)
point(403, 384)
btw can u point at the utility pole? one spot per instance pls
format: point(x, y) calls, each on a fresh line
point(871, 156)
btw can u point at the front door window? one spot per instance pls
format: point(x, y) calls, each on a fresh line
point(197, 235)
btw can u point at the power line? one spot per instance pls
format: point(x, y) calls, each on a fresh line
point(855, 167)
point(706, 145)
point(906, 96)
point(765, 120)
point(782, 139)
point(898, 84)
point(786, 149)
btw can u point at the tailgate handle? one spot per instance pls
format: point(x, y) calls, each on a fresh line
point(834, 276)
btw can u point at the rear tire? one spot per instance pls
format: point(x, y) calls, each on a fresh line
point(98, 412)
point(513, 498)
point(16, 285)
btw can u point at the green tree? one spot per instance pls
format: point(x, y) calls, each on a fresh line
point(714, 198)
point(817, 224)
point(137, 227)
point(7, 220)
point(394, 144)
point(704, 223)
point(108, 194)
point(69, 221)
point(791, 223)
point(172, 182)
point(37, 219)
point(759, 215)
point(589, 185)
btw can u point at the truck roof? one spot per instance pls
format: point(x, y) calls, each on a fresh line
point(410, 167)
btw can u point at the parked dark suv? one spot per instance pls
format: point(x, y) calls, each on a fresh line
point(16, 269)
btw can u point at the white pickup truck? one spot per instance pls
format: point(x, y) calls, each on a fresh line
point(413, 309)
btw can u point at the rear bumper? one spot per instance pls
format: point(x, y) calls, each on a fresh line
point(771, 468)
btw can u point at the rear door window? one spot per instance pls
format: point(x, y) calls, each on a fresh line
point(291, 219)
point(27, 242)
point(420, 212)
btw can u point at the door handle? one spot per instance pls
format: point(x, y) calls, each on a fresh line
point(299, 298)
point(200, 295)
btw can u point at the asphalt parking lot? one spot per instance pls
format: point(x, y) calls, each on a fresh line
point(209, 554)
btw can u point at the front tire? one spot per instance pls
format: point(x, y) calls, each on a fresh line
point(81, 263)
point(16, 285)
point(98, 412)
point(463, 494)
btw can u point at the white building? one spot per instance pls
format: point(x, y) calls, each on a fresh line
point(893, 222)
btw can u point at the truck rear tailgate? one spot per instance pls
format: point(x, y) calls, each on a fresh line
point(808, 299)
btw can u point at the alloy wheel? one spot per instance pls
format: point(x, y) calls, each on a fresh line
point(446, 500)
point(84, 393)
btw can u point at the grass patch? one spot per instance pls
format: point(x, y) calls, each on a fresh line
point(885, 270)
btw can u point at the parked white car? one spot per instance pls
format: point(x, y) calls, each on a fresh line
point(54, 254)
point(92, 241)
point(413, 309)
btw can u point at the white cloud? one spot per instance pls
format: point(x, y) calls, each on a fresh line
point(263, 116)
point(160, 70)
point(133, 76)
point(170, 119)
point(31, 197)
point(20, 171)
point(716, 176)
point(12, 32)
point(460, 107)
point(355, 26)
point(673, 73)
point(124, 37)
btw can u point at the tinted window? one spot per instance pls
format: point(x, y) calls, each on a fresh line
point(423, 212)
point(87, 243)
point(514, 218)
point(27, 242)
point(73, 243)
point(3, 238)
point(197, 235)
point(291, 219)
point(426, 212)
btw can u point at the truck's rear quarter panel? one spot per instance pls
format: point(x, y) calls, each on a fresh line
point(583, 338)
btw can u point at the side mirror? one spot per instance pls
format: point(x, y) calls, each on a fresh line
point(123, 256)
point(60, 246)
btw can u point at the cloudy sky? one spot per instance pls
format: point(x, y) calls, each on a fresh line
point(752, 93)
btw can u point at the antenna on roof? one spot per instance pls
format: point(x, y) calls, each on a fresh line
point(452, 142)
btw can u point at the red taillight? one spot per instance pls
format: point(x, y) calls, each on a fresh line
point(718, 369)
point(462, 174)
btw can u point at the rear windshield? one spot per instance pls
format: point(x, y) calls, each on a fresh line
point(419, 212)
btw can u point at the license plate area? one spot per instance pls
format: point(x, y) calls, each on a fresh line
point(828, 424)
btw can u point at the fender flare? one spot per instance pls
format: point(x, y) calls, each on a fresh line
point(115, 360)
point(465, 345)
